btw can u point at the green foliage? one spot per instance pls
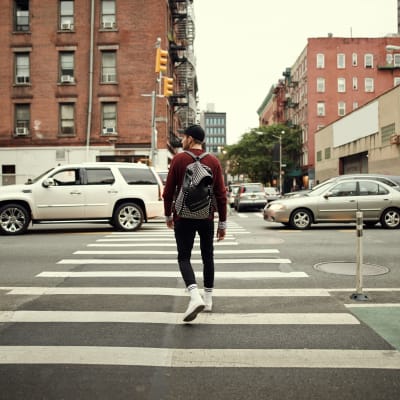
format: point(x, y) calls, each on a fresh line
point(253, 154)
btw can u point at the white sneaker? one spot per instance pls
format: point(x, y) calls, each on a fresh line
point(195, 307)
point(207, 301)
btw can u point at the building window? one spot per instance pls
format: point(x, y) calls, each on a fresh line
point(341, 61)
point(355, 83)
point(67, 15)
point(327, 153)
point(341, 85)
point(320, 60)
point(109, 67)
point(22, 119)
point(396, 81)
point(67, 119)
point(109, 118)
point(321, 109)
point(21, 15)
point(22, 75)
point(355, 105)
point(386, 132)
point(67, 67)
point(354, 60)
point(396, 60)
point(108, 16)
point(320, 85)
point(8, 174)
point(341, 108)
point(369, 84)
point(369, 61)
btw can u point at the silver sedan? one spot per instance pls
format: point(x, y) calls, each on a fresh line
point(339, 202)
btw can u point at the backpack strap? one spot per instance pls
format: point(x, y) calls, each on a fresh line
point(197, 158)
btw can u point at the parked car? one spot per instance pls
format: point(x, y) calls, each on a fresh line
point(391, 180)
point(250, 195)
point(272, 193)
point(122, 194)
point(163, 176)
point(233, 190)
point(339, 201)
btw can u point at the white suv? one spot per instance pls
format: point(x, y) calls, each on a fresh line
point(122, 194)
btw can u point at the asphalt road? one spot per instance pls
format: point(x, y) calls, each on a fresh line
point(88, 313)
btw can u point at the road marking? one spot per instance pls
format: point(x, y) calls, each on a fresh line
point(169, 261)
point(217, 244)
point(152, 241)
point(208, 358)
point(169, 274)
point(161, 291)
point(173, 252)
point(176, 318)
point(372, 305)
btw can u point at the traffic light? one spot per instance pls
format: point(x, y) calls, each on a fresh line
point(161, 60)
point(168, 86)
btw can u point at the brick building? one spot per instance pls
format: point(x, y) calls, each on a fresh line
point(330, 78)
point(78, 80)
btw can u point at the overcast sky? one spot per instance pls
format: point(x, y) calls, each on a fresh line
point(242, 47)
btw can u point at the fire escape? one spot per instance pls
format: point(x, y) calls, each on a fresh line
point(181, 50)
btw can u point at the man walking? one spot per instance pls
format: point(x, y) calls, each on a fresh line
point(185, 228)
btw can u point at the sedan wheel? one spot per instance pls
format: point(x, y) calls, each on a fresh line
point(301, 219)
point(128, 217)
point(14, 219)
point(390, 218)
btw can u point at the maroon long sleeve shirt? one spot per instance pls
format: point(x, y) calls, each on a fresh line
point(175, 179)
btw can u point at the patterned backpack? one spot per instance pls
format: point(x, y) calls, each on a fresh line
point(195, 197)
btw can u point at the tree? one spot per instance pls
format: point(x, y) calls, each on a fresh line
point(253, 154)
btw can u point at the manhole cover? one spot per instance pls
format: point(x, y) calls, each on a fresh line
point(349, 268)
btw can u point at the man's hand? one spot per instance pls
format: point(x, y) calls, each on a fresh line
point(170, 224)
point(220, 234)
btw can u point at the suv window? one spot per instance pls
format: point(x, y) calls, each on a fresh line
point(138, 176)
point(252, 189)
point(97, 176)
point(67, 177)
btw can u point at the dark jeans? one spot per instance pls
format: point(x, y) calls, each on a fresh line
point(185, 232)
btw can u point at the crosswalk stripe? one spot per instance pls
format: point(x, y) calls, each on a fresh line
point(217, 244)
point(176, 318)
point(396, 305)
point(146, 240)
point(161, 291)
point(169, 261)
point(216, 252)
point(169, 274)
point(207, 358)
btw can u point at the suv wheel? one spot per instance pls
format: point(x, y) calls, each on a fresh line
point(301, 219)
point(391, 218)
point(14, 219)
point(128, 217)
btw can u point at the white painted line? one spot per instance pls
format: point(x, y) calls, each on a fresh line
point(376, 305)
point(242, 215)
point(173, 252)
point(217, 244)
point(169, 261)
point(365, 289)
point(161, 291)
point(176, 318)
point(168, 274)
point(123, 239)
point(211, 358)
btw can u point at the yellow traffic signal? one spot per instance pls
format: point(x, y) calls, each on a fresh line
point(168, 86)
point(161, 60)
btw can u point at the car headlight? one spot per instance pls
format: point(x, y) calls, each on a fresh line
point(277, 206)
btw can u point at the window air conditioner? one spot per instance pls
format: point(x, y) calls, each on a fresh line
point(394, 139)
point(67, 79)
point(21, 131)
point(22, 79)
point(108, 25)
point(67, 26)
point(109, 131)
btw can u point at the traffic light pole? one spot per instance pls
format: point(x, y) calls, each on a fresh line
point(153, 128)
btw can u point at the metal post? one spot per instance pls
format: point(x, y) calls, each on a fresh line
point(359, 295)
point(280, 163)
point(153, 128)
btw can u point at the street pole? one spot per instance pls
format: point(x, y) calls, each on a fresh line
point(153, 128)
point(280, 162)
